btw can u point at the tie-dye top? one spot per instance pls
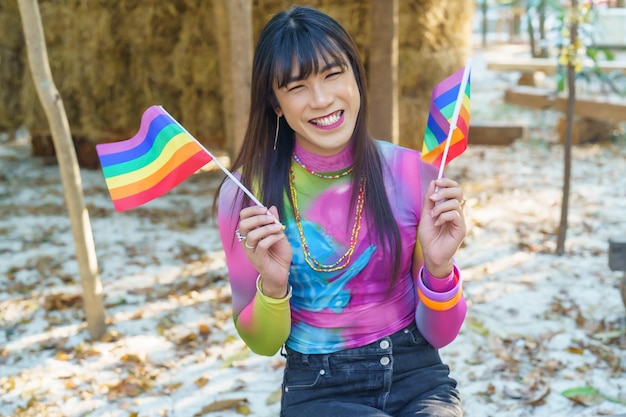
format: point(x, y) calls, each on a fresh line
point(353, 306)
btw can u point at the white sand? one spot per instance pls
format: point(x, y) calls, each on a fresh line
point(538, 324)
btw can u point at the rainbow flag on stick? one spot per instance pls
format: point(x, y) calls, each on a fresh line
point(447, 129)
point(158, 158)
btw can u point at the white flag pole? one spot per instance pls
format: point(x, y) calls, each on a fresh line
point(455, 116)
point(220, 165)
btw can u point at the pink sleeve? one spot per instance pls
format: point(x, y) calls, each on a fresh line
point(262, 322)
point(241, 272)
point(441, 307)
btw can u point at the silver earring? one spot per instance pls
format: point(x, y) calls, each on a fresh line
point(277, 126)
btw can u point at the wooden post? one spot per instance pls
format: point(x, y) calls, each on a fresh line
point(226, 86)
point(241, 49)
point(496, 133)
point(384, 120)
point(68, 165)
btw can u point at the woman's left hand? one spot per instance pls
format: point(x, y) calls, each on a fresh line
point(442, 226)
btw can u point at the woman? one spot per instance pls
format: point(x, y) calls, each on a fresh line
point(359, 285)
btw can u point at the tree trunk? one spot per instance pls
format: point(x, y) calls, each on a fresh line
point(543, 5)
point(239, 22)
point(567, 143)
point(531, 33)
point(484, 22)
point(383, 71)
point(538, 47)
point(68, 165)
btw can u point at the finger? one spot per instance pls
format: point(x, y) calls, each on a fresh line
point(446, 183)
point(256, 220)
point(273, 211)
point(260, 234)
point(248, 245)
point(429, 203)
point(445, 206)
point(252, 211)
point(268, 241)
point(447, 194)
point(451, 216)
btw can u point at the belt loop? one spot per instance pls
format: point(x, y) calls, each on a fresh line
point(326, 364)
point(305, 358)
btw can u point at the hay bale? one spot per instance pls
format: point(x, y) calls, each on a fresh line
point(353, 15)
point(12, 66)
point(112, 60)
point(435, 41)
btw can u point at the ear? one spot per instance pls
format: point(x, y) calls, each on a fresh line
point(278, 111)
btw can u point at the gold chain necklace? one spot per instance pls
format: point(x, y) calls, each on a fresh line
point(324, 176)
point(344, 260)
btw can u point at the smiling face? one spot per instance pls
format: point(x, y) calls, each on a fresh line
point(321, 107)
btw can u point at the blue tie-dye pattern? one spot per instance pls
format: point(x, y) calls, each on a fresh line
point(315, 291)
point(324, 338)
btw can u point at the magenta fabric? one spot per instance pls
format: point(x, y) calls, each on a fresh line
point(351, 307)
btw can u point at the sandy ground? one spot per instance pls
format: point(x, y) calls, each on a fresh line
point(545, 334)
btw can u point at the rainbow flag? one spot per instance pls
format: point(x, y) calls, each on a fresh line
point(159, 157)
point(449, 110)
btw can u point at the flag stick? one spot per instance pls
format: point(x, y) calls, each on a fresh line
point(222, 167)
point(455, 116)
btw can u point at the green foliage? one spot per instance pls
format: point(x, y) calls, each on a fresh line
point(585, 54)
point(587, 395)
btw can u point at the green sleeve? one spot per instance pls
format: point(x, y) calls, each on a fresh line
point(265, 323)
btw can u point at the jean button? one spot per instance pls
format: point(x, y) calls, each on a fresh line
point(384, 344)
point(384, 361)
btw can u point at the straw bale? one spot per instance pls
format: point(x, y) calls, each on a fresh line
point(11, 66)
point(435, 41)
point(353, 15)
point(111, 60)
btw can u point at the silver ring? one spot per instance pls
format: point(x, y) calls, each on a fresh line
point(239, 236)
point(248, 246)
point(462, 202)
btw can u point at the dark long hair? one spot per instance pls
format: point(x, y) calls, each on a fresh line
point(307, 37)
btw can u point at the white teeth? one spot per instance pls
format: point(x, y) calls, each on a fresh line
point(329, 120)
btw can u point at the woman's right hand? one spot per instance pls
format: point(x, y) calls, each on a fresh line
point(267, 248)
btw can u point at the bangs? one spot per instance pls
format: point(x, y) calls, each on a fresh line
point(298, 54)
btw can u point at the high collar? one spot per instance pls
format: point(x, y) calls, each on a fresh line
point(341, 160)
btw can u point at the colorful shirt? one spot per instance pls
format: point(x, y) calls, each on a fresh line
point(353, 306)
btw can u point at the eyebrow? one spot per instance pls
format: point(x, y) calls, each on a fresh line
point(323, 69)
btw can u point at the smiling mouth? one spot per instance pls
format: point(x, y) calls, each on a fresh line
point(328, 120)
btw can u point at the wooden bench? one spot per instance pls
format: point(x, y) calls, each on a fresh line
point(617, 262)
point(496, 133)
point(531, 67)
point(596, 118)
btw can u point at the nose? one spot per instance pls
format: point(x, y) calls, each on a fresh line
point(322, 95)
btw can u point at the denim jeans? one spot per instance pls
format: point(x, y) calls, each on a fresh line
point(396, 376)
